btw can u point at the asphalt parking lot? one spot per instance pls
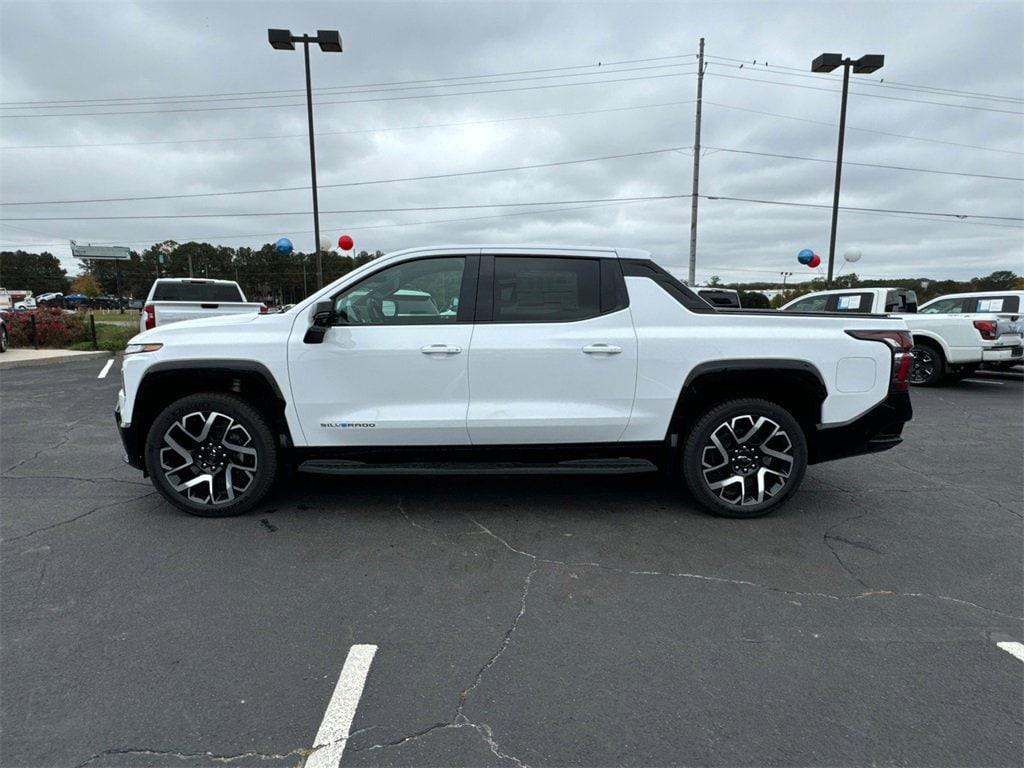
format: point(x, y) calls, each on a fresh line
point(529, 622)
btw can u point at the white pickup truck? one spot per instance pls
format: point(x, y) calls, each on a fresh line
point(174, 299)
point(946, 345)
point(524, 359)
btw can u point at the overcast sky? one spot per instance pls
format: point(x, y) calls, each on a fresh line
point(105, 54)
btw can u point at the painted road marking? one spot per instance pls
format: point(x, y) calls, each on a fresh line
point(106, 369)
point(986, 381)
point(1014, 649)
point(333, 734)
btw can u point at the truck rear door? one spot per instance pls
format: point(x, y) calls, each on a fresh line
point(553, 358)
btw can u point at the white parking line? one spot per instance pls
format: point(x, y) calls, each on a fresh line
point(986, 381)
point(1014, 649)
point(333, 734)
point(106, 369)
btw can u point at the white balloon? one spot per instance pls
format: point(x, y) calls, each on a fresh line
point(326, 244)
point(852, 255)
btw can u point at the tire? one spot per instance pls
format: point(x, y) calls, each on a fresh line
point(928, 366)
point(3, 339)
point(732, 439)
point(213, 479)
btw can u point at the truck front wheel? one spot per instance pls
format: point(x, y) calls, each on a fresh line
point(928, 366)
point(212, 455)
point(743, 458)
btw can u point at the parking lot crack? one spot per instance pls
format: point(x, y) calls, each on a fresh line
point(65, 438)
point(506, 640)
point(77, 517)
point(213, 756)
point(828, 538)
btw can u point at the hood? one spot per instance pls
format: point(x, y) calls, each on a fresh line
point(202, 324)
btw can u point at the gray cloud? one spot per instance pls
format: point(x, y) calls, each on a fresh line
point(79, 50)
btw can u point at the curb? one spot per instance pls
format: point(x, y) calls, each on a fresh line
point(58, 360)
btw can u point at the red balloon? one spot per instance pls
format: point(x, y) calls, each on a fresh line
point(345, 243)
point(815, 261)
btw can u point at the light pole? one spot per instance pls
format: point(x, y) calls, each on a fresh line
point(784, 276)
point(827, 62)
point(329, 41)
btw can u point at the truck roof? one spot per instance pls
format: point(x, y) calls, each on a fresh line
point(531, 249)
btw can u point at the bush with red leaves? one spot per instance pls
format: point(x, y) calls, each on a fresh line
point(54, 328)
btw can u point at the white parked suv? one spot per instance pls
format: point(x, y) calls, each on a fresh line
point(510, 360)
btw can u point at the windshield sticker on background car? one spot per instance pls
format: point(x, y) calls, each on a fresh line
point(849, 302)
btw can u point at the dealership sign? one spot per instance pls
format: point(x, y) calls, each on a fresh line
point(99, 251)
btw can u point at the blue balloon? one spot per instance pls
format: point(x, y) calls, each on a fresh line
point(284, 246)
point(805, 256)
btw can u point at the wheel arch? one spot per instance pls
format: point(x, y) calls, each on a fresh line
point(932, 339)
point(796, 385)
point(166, 382)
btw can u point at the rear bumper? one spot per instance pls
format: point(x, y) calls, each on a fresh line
point(877, 430)
point(130, 442)
point(1002, 354)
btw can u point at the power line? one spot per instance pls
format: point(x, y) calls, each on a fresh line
point(355, 101)
point(278, 233)
point(374, 90)
point(868, 95)
point(514, 205)
point(863, 130)
point(345, 211)
point(856, 208)
point(298, 91)
point(881, 82)
point(356, 131)
point(864, 165)
point(304, 188)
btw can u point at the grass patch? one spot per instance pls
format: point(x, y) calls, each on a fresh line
point(112, 337)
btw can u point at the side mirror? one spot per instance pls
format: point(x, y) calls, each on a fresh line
point(323, 317)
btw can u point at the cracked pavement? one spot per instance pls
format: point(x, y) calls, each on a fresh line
point(520, 622)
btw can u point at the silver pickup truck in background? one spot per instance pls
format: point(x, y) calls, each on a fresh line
point(174, 299)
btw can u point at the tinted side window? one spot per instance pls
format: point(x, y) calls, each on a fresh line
point(545, 290)
point(994, 304)
point(810, 304)
point(853, 302)
point(420, 292)
point(943, 307)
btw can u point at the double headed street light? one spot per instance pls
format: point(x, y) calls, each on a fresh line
point(827, 62)
point(329, 41)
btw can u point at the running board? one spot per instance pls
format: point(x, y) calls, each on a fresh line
point(578, 467)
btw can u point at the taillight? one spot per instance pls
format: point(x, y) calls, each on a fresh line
point(263, 309)
point(986, 328)
point(900, 342)
point(150, 311)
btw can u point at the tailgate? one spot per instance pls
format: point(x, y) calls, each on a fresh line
point(1009, 325)
point(176, 311)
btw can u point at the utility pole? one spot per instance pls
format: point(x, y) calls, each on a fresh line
point(692, 275)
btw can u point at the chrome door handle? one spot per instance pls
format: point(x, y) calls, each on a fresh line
point(602, 349)
point(440, 349)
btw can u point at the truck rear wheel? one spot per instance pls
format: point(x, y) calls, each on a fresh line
point(212, 455)
point(743, 458)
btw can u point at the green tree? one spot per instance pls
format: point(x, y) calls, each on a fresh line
point(1000, 280)
point(36, 272)
point(86, 284)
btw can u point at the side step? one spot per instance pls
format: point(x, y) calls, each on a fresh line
point(577, 467)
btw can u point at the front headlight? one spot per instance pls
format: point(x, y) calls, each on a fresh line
point(133, 349)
